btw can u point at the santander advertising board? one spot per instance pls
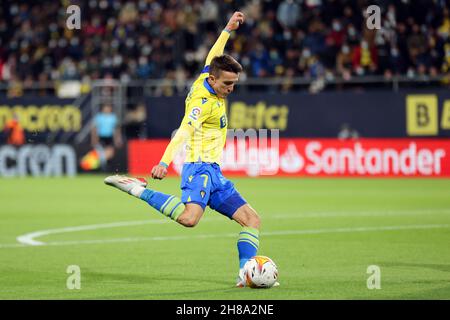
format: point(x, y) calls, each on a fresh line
point(326, 157)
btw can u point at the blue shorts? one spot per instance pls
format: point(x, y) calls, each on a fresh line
point(203, 184)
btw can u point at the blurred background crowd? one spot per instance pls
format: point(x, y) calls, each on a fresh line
point(155, 39)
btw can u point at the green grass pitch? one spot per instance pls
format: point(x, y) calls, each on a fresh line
point(322, 233)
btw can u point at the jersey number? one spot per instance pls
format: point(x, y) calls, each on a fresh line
point(205, 180)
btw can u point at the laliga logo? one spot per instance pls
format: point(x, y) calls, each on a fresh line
point(195, 113)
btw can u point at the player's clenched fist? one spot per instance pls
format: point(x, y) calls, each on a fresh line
point(236, 19)
point(159, 172)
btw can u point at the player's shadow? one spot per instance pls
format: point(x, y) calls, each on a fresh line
point(105, 277)
point(434, 266)
point(221, 286)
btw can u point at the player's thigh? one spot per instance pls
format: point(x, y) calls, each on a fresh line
point(246, 216)
point(196, 189)
point(227, 200)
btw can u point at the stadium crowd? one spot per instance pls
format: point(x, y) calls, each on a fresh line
point(156, 39)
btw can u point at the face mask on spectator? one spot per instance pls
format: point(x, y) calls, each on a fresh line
point(306, 53)
point(345, 49)
point(364, 45)
point(337, 26)
point(273, 54)
point(394, 52)
point(143, 60)
point(352, 32)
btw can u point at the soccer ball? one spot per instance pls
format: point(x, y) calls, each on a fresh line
point(260, 272)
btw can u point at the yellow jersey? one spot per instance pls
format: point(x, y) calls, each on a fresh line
point(206, 113)
point(204, 125)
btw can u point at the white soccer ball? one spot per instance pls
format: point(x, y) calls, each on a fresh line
point(260, 272)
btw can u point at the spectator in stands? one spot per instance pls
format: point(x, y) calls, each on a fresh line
point(444, 28)
point(346, 132)
point(334, 41)
point(143, 39)
point(446, 62)
point(259, 59)
point(344, 62)
point(365, 59)
point(15, 87)
point(396, 64)
point(135, 122)
point(315, 38)
point(288, 13)
point(14, 132)
point(417, 46)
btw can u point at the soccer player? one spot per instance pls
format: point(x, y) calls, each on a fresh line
point(203, 129)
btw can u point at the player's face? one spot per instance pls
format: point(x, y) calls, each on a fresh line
point(224, 84)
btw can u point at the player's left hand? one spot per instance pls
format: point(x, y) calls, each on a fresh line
point(159, 172)
point(236, 19)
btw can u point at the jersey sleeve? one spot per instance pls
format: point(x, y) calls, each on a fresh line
point(197, 111)
point(174, 146)
point(217, 48)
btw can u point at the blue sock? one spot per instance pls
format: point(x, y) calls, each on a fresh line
point(168, 205)
point(247, 244)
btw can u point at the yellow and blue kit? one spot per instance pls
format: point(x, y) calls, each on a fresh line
point(204, 129)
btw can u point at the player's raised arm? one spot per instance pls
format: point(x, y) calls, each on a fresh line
point(233, 24)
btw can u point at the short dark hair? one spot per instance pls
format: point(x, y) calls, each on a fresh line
point(224, 62)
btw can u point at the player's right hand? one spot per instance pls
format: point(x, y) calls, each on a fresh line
point(159, 172)
point(236, 19)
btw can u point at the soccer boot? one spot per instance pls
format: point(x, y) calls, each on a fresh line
point(124, 183)
point(240, 282)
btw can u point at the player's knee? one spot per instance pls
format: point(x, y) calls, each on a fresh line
point(188, 219)
point(190, 222)
point(252, 219)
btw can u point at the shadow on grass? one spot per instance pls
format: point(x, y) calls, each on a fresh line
point(154, 280)
point(434, 266)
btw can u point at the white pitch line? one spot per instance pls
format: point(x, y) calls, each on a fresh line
point(30, 238)
point(229, 235)
point(392, 213)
